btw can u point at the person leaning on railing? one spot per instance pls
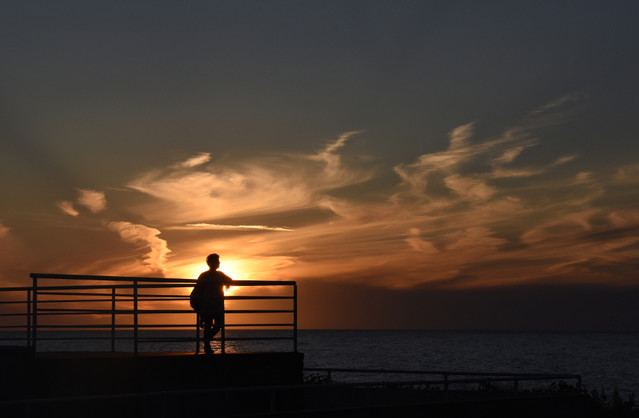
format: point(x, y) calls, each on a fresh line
point(207, 299)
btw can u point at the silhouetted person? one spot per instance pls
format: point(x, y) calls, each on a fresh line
point(207, 298)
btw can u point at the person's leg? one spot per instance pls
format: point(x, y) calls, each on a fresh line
point(219, 323)
point(207, 323)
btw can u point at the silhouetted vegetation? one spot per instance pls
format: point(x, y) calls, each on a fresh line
point(601, 405)
point(317, 378)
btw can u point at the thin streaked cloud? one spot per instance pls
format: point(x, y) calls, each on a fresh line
point(68, 208)
point(219, 227)
point(196, 160)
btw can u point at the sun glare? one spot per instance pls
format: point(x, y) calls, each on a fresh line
point(235, 269)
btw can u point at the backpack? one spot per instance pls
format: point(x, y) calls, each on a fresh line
point(197, 294)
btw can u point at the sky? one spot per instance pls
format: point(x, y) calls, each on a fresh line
point(413, 164)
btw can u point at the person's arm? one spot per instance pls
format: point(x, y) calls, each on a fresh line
point(227, 281)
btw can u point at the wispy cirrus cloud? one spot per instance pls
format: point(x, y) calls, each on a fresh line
point(218, 227)
point(278, 182)
point(474, 214)
point(147, 238)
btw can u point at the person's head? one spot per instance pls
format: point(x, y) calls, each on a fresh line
point(213, 261)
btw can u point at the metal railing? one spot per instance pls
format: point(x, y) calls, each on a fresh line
point(126, 309)
point(446, 378)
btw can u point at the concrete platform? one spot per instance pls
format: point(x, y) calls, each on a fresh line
point(175, 385)
point(26, 374)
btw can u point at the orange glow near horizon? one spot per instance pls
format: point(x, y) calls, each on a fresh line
point(235, 269)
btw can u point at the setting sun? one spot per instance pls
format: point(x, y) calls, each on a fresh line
point(236, 269)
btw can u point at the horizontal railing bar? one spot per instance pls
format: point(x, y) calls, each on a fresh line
point(128, 299)
point(497, 379)
point(228, 311)
point(15, 289)
point(146, 296)
point(109, 326)
point(40, 292)
point(263, 283)
point(13, 302)
point(108, 278)
point(130, 326)
point(258, 338)
point(164, 325)
point(141, 297)
point(72, 338)
point(166, 340)
point(116, 311)
point(256, 297)
point(83, 313)
point(107, 286)
point(44, 311)
point(434, 372)
point(14, 314)
point(247, 311)
point(119, 295)
point(155, 280)
point(71, 300)
point(159, 339)
point(151, 339)
point(108, 297)
point(70, 311)
point(236, 283)
point(258, 325)
point(162, 286)
point(74, 326)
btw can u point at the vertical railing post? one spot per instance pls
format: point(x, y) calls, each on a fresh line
point(29, 318)
point(295, 318)
point(197, 333)
point(34, 328)
point(113, 319)
point(135, 317)
point(223, 334)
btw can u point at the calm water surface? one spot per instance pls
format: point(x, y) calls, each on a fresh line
point(605, 360)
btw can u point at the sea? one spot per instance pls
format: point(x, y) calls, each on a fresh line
point(606, 361)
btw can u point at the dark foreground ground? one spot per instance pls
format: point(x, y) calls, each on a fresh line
point(234, 385)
